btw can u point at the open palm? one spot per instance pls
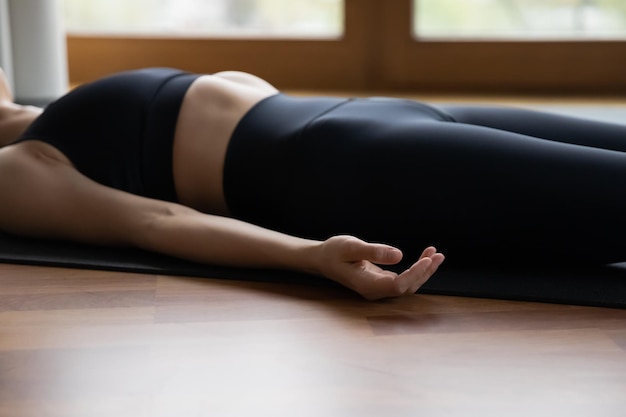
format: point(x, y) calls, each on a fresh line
point(355, 264)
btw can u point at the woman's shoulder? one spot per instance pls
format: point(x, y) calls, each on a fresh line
point(14, 120)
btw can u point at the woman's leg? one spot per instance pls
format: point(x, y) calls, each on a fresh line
point(543, 125)
point(480, 194)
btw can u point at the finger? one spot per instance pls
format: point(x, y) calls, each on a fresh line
point(415, 276)
point(436, 260)
point(375, 253)
point(428, 252)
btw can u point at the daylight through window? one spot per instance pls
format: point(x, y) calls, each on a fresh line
point(207, 18)
point(523, 19)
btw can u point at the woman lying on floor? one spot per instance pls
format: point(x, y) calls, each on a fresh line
point(223, 169)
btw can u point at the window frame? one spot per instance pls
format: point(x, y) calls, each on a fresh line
point(378, 51)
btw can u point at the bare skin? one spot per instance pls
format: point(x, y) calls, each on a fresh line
point(5, 90)
point(210, 112)
point(35, 175)
point(13, 118)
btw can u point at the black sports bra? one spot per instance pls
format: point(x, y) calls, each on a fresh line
point(119, 130)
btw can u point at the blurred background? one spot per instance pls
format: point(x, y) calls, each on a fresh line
point(565, 47)
point(521, 19)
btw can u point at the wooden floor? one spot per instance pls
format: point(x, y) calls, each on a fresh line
point(86, 343)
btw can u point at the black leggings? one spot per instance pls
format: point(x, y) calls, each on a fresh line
point(485, 185)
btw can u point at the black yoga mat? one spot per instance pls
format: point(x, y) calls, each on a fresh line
point(602, 287)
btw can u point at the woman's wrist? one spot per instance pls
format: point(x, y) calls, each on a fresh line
point(308, 257)
point(322, 258)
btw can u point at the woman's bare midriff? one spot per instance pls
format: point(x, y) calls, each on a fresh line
point(211, 110)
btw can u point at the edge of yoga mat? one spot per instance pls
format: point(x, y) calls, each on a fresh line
point(600, 287)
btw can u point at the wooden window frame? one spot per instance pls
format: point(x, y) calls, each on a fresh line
point(377, 52)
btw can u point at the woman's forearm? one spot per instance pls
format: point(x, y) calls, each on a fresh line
point(199, 237)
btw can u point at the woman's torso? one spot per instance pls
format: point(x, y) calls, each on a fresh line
point(211, 110)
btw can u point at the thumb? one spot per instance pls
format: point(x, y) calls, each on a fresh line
point(375, 253)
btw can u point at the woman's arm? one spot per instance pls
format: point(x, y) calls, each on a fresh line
point(43, 197)
point(5, 90)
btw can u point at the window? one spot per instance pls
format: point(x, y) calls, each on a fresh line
point(206, 18)
point(479, 46)
point(520, 19)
